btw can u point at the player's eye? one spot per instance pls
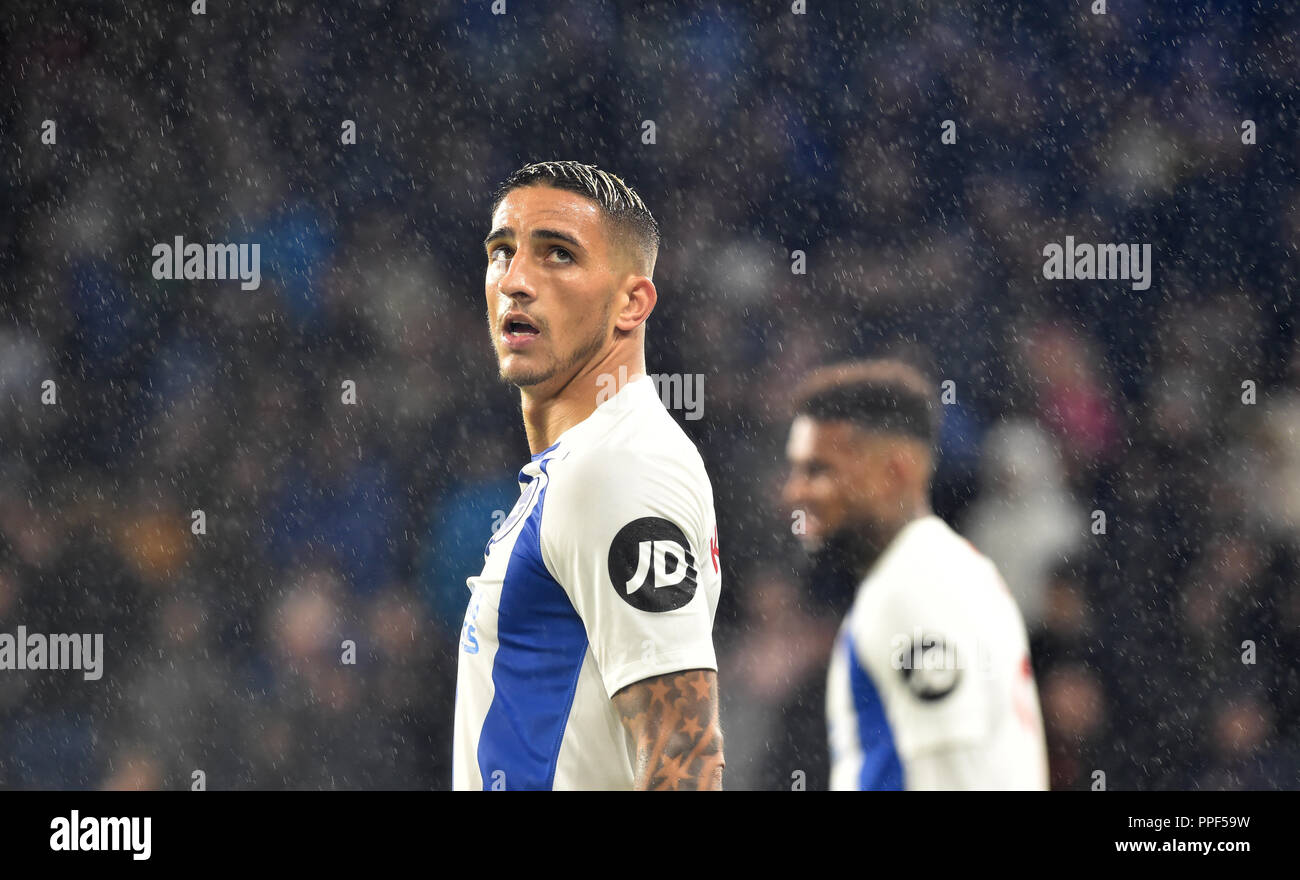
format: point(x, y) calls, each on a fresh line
point(497, 252)
point(566, 257)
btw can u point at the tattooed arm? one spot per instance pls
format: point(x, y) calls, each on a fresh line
point(672, 726)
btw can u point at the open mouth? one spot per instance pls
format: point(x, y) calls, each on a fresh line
point(518, 332)
point(520, 327)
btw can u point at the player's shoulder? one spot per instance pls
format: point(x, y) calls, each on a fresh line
point(635, 462)
point(930, 570)
point(931, 589)
point(635, 442)
point(926, 547)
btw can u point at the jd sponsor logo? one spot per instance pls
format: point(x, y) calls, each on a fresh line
point(930, 664)
point(651, 565)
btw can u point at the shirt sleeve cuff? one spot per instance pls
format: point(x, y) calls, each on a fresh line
point(661, 664)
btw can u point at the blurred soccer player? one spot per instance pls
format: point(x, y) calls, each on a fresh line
point(929, 685)
point(587, 654)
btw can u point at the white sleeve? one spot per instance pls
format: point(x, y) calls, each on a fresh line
point(925, 658)
point(630, 537)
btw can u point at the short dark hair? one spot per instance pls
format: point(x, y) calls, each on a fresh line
point(620, 203)
point(884, 395)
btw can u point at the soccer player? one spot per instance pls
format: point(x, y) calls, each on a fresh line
point(586, 655)
point(929, 685)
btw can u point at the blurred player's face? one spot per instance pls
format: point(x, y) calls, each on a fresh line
point(841, 480)
point(551, 278)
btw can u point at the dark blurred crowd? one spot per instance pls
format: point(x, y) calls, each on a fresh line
point(1129, 458)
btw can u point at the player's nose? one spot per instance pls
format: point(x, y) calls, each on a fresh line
point(516, 282)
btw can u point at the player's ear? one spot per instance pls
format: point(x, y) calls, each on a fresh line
point(900, 466)
point(636, 300)
point(906, 465)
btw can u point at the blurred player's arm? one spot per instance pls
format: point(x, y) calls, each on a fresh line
point(672, 726)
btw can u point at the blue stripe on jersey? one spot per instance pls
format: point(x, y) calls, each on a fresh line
point(882, 770)
point(541, 646)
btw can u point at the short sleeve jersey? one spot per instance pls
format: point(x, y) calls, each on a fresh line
point(930, 683)
point(605, 573)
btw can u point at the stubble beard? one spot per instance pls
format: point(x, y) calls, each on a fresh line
point(538, 375)
point(854, 546)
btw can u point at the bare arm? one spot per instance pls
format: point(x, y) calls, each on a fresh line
point(672, 725)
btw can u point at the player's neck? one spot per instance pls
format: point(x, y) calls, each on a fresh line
point(917, 509)
point(875, 542)
point(547, 416)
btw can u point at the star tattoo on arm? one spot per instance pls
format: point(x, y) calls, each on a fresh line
point(672, 727)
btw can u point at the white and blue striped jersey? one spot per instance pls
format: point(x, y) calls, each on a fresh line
point(605, 573)
point(930, 685)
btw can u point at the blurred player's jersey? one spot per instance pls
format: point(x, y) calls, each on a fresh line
point(605, 573)
point(930, 685)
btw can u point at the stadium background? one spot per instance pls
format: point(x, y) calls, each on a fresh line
point(774, 132)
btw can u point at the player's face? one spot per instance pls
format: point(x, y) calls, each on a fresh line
point(551, 277)
point(838, 480)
